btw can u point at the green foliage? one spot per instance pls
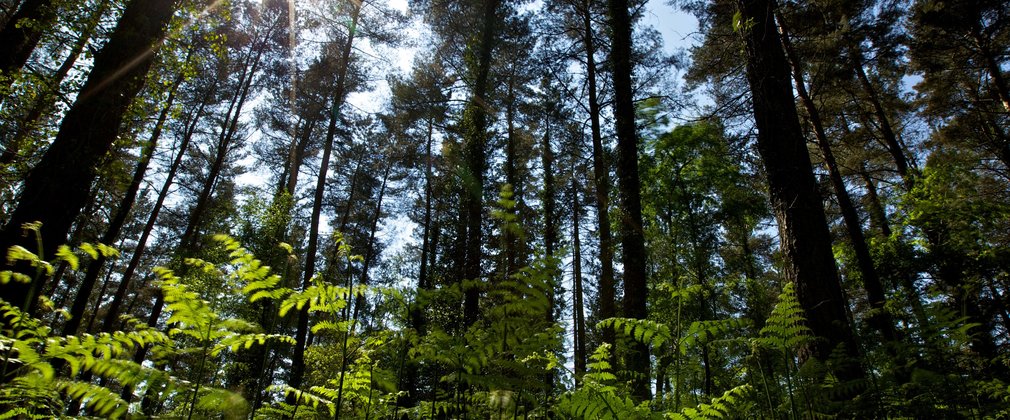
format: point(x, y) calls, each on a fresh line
point(727, 405)
point(785, 331)
point(32, 352)
point(599, 397)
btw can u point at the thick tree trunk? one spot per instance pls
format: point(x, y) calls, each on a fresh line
point(879, 318)
point(803, 229)
point(475, 141)
point(630, 224)
point(606, 288)
point(59, 185)
point(23, 32)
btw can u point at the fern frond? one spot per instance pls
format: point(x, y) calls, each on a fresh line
point(97, 398)
point(644, 331)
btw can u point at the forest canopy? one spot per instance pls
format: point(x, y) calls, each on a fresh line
point(257, 209)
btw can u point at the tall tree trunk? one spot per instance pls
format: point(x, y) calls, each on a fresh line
point(58, 187)
point(803, 229)
point(878, 217)
point(550, 232)
point(993, 67)
point(606, 288)
point(512, 176)
point(879, 318)
point(112, 314)
point(475, 141)
point(359, 300)
point(297, 156)
point(302, 329)
point(578, 308)
point(23, 32)
point(370, 249)
point(191, 236)
point(417, 319)
point(630, 224)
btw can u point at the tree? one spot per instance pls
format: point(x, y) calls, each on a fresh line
point(796, 201)
point(22, 33)
point(630, 219)
point(57, 188)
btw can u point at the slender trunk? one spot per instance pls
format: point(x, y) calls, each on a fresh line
point(58, 187)
point(111, 234)
point(550, 233)
point(190, 237)
point(511, 177)
point(359, 301)
point(999, 85)
point(416, 315)
point(370, 250)
point(22, 33)
point(297, 156)
point(803, 228)
point(301, 332)
point(878, 217)
point(108, 324)
point(44, 100)
point(883, 121)
point(579, 307)
point(630, 223)
point(879, 318)
point(601, 181)
point(550, 214)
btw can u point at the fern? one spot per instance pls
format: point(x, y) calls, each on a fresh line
point(30, 350)
point(599, 398)
point(645, 331)
point(785, 329)
point(721, 407)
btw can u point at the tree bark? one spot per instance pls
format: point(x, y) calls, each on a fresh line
point(578, 307)
point(630, 224)
point(475, 141)
point(879, 317)
point(58, 187)
point(883, 121)
point(601, 183)
point(191, 236)
point(803, 229)
point(416, 316)
point(550, 232)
